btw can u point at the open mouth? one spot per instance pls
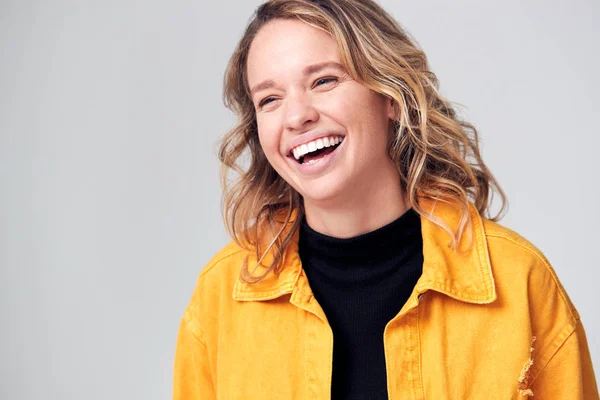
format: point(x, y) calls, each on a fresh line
point(315, 155)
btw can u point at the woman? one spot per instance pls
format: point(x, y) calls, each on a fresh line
point(362, 265)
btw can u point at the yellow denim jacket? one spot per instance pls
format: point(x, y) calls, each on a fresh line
point(493, 323)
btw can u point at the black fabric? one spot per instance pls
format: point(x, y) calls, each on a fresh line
point(362, 283)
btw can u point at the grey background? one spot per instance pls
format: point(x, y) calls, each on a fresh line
point(109, 117)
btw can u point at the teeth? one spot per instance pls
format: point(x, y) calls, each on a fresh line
point(318, 144)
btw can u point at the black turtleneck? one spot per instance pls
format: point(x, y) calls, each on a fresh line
point(362, 283)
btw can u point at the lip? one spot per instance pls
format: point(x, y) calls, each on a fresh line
point(309, 137)
point(319, 166)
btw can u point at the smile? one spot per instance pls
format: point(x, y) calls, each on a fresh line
point(312, 151)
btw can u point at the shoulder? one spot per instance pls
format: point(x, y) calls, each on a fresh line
point(228, 257)
point(526, 281)
point(515, 251)
point(515, 257)
point(499, 236)
point(559, 353)
point(222, 270)
point(214, 285)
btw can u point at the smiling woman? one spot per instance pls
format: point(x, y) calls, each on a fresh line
point(364, 262)
point(312, 97)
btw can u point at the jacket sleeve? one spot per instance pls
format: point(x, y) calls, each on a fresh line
point(568, 373)
point(192, 374)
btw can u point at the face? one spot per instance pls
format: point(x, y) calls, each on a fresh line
point(303, 95)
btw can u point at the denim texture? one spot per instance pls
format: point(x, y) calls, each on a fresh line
point(489, 322)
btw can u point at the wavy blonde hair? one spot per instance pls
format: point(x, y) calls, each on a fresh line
point(437, 154)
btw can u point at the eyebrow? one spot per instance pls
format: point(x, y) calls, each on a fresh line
point(308, 70)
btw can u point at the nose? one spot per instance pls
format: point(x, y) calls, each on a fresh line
point(299, 112)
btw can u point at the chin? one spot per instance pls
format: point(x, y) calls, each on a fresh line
point(321, 195)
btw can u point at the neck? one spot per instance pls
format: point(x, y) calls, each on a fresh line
point(366, 210)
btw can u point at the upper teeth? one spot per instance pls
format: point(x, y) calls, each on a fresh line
point(315, 145)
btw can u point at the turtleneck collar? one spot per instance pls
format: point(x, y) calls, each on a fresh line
point(371, 248)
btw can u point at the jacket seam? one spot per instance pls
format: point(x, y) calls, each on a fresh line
point(554, 346)
point(194, 328)
point(419, 327)
point(214, 263)
point(420, 393)
point(412, 356)
point(197, 332)
point(193, 309)
point(484, 256)
point(544, 261)
point(264, 295)
point(448, 290)
point(286, 287)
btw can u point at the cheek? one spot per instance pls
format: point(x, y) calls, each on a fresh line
point(359, 105)
point(265, 135)
point(372, 110)
point(374, 106)
point(366, 116)
point(268, 137)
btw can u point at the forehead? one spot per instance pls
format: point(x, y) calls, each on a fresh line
point(284, 47)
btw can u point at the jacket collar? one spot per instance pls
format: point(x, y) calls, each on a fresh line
point(465, 274)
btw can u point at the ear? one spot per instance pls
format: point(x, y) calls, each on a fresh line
point(392, 108)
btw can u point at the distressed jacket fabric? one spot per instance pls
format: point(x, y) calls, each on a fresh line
point(490, 323)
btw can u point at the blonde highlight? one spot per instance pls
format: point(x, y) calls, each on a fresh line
point(437, 153)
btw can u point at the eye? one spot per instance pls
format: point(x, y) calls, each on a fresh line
point(326, 80)
point(266, 101)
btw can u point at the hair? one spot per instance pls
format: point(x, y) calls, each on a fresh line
point(436, 153)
